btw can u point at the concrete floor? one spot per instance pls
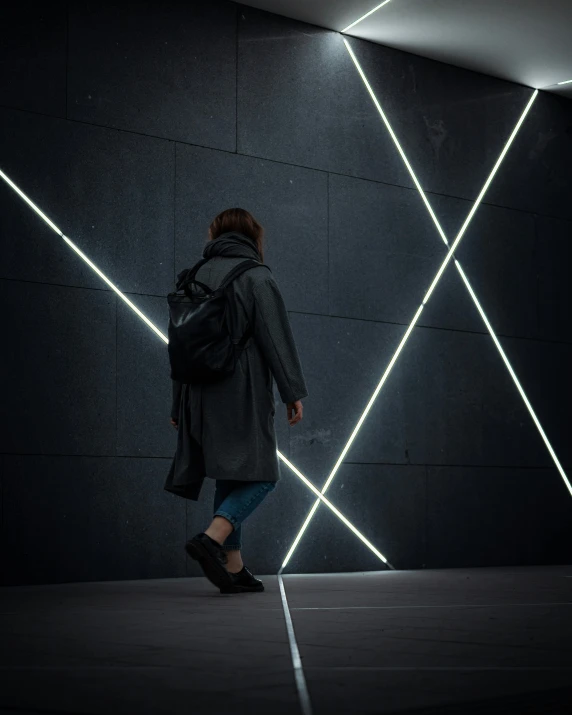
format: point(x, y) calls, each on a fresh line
point(495, 640)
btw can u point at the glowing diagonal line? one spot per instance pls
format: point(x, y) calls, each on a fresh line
point(457, 264)
point(375, 9)
point(515, 379)
point(123, 297)
point(163, 337)
point(356, 430)
point(30, 203)
point(80, 253)
point(449, 256)
point(338, 513)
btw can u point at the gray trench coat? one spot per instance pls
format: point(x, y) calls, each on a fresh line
point(226, 429)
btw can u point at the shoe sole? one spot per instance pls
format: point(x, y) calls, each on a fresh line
point(215, 572)
point(241, 589)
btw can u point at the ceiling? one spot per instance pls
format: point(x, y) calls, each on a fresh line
point(525, 41)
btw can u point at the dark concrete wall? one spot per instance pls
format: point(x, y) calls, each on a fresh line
point(132, 126)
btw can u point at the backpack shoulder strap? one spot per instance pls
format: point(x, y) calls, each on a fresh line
point(238, 270)
point(188, 275)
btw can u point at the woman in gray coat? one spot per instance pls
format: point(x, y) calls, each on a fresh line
point(226, 429)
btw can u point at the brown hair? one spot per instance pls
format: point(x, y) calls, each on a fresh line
point(239, 221)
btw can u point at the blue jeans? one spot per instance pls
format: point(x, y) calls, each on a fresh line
point(235, 500)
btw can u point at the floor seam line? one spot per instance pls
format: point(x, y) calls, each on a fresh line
point(439, 667)
point(303, 694)
point(460, 605)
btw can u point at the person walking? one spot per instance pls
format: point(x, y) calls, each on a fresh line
point(225, 429)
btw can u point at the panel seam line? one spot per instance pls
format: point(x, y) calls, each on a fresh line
point(279, 161)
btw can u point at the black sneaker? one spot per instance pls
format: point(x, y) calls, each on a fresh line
point(243, 581)
point(212, 559)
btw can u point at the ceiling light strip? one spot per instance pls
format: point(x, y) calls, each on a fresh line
point(375, 9)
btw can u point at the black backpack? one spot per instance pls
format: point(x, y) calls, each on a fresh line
point(200, 347)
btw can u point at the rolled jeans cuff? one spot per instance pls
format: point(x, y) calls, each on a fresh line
point(227, 516)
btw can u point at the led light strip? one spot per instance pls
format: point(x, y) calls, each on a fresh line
point(457, 264)
point(338, 513)
point(515, 379)
point(351, 439)
point(163, 337)
point(375, 9)
point(449, 256)
point(80, 253)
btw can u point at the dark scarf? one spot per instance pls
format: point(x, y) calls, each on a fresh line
point(234, 245)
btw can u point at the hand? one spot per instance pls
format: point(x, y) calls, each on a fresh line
point(175, 423)
point(297, 408)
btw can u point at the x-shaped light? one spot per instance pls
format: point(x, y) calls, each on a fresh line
point(448, 258)
point(320, 494)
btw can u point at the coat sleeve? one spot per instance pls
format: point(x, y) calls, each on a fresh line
point(273, 334)
point(177, 390)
